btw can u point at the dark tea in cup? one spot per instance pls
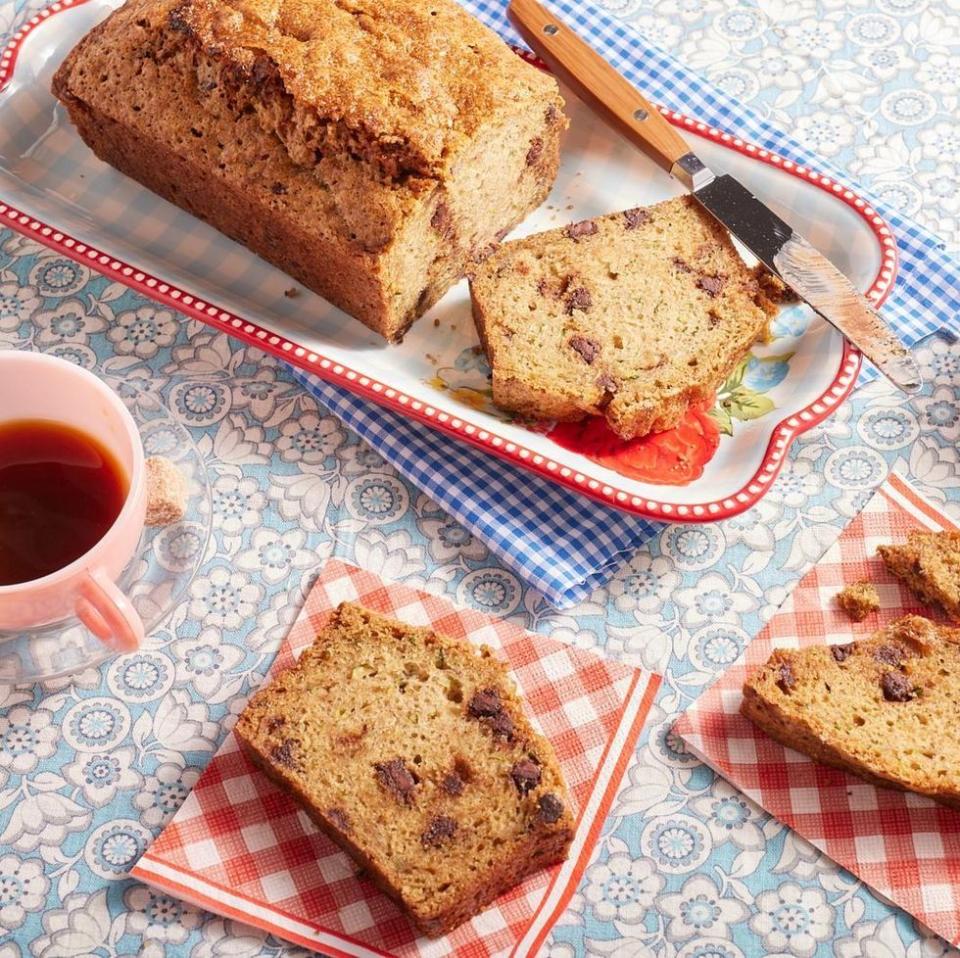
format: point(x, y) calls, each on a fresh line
point(60, 491)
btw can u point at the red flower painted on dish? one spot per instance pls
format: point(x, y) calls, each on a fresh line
point(675, 457)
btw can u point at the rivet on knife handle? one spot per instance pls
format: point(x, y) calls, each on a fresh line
point(585, 71)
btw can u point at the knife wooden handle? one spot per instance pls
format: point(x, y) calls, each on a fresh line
point(598, 83)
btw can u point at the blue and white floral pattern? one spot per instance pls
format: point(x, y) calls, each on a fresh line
point(140, 676)
point(793, 920)
point(376, 499)
point(678, 843)
point(700, 909)
point(23, 889)
point(95, 724)
point(685, 867)
point(622, 888)
point(113, 848)
point(490, 590)
point(26, 737)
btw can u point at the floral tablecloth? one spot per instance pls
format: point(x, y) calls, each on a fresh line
point(91, 769)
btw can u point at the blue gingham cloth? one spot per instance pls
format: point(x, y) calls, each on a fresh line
point(559, 542)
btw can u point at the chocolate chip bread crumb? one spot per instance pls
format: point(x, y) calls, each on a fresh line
point(884, 708)
point(372, 150)
point(166, 492)
point(446, 797)
point(929, 565)
point(859, 600)
point(634, 316)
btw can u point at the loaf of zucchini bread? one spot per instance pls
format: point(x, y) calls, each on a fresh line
point(413, 752)
point(372, 149)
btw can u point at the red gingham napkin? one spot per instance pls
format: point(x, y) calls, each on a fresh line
point(242, 848)
point(904, 845)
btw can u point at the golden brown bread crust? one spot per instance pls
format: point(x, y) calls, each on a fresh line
point(883, 708)
point(634, 316)
point(404, 84)
point(225, 139)
point(929, 565)
point(412, 751)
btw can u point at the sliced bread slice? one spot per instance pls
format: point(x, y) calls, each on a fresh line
point(929, 565)
point(884, 708)
point(412, 751)
point(633, 315)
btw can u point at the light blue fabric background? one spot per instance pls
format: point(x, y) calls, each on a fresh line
point(874, 87)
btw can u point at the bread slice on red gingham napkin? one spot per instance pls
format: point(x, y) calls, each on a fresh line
point(241, 847)
point(904, 845)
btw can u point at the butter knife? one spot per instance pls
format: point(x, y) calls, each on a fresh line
point(774, 242)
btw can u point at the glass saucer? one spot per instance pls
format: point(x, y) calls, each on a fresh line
point(156, 580)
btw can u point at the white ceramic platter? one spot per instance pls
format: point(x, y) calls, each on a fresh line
point(53, 189)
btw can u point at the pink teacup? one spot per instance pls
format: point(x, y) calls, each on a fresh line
point(35, 386)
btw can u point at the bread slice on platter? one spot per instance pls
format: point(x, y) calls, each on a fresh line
point(885, 708)
point(634, 316)
point(413, 752)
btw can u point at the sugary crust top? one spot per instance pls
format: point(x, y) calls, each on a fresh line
point(416, 77)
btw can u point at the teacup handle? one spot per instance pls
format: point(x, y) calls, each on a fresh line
point(108, 613)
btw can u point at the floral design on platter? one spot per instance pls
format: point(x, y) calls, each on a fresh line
point(743, 397)
point(675, 457)
point(468, 382)
point(678, 456)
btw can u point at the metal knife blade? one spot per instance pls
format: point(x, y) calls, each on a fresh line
point(808, 273)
